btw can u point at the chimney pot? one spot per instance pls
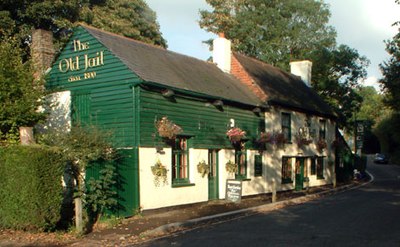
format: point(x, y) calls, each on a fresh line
point(222, 53)
point(302, 69)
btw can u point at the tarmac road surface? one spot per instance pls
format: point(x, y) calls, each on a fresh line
point(366, 216)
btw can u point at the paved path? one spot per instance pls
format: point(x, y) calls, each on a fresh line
point(366, 216)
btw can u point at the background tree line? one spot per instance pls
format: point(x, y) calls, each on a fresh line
point(276, 31)
point(280, 31)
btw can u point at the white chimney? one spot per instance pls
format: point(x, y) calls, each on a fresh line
point(302, 69)
point(222, 53)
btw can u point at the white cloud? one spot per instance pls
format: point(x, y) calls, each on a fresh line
point(372, 81)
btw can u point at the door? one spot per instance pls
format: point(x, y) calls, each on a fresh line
point(213, 175)
point(299, 183)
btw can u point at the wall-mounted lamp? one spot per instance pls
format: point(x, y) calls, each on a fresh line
point(257, 110)
point(218, 103)
point(167, 93)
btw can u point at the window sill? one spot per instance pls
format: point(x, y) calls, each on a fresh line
point(179, 185)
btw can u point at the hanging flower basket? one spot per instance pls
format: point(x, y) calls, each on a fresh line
point(301, 140)
point(278, 139)
point(160, 173)
point(203, 168)
point(321, 145)
point(265, 137)
point(231, 167)
point(236, 134)
point(167, 129)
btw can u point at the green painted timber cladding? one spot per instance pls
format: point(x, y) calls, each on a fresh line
point(104, 99)
point(200, 119)
point(110, 88)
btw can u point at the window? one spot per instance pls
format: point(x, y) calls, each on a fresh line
point(180, 161)
point(320, 168)
point(258, 171)
point(313, 168)
point(241, 161)
point(322, 129)
point(286, 170)
point(286, 126)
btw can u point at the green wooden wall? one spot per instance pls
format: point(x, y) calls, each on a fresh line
point(111, 102)
point(104, 100)
point(200, 119)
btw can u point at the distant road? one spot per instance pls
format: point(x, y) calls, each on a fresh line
point(367, 216)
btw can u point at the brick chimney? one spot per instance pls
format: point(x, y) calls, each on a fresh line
point(222, 53)
point(42, 51)
point(302, 69)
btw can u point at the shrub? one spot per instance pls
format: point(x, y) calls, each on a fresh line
point(30, 187)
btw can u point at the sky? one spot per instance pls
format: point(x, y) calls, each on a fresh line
point(360, 24)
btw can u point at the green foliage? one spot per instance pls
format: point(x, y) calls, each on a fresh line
point(372, 107)
point(30, 187)
point(361, 163)
point(336, 75)
point(131, 18)
point(344, 172)
point(391, 73)
point(84, 148)
point(273, 31)
point(81, 145)
point(160, 173)
point(20, 94)
point(281, 31)
point(100, 193)
point(388, 133)
point(203, 168)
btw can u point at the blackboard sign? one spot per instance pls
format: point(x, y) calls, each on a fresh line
point(233, 190)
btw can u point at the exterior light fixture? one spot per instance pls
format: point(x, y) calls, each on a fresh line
point(257, 110)
point(218, 103)
point(167, 93)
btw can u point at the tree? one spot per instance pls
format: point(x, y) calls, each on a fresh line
point(20, 95)
point(131, 18)
point(391, 73)
point(336, 75)
point(372, 108)
point(272, 31)
point(280, 31)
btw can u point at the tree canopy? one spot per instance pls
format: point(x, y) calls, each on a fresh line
point(20, 95)
point(391, 73)
point(273, 31)
point(280, 31)
point(131, 18)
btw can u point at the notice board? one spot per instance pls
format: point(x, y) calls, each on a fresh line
point(233, 190)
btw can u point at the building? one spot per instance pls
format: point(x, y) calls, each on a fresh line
point(171, 109)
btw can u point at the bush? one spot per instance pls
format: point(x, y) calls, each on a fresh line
point(361, 163)
point(30, 187)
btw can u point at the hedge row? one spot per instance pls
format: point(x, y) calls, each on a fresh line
point(31, 191)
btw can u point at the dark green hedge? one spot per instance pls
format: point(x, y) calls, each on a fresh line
point(30, 187)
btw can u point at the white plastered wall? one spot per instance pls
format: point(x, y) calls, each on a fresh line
point(164, 195)
point(273, 155)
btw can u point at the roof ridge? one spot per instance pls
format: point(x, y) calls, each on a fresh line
point(265, 64)
point(86, 26)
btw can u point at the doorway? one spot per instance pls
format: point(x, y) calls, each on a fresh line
point(213, 186)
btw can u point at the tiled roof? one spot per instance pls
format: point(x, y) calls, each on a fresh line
point(283, 88)
point(158, 65)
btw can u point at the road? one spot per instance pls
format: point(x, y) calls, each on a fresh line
point(366, 216)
